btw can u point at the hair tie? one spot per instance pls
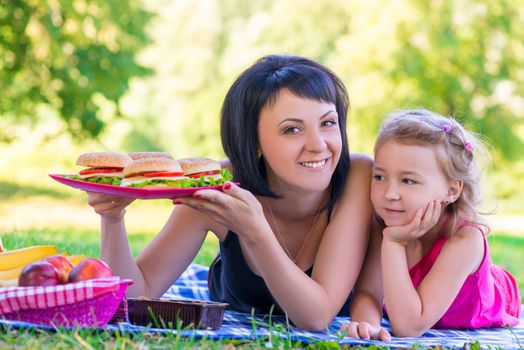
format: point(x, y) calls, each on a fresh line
point(446, 128)
point(468, 147)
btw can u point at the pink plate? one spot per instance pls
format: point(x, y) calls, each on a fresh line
point(139, 193)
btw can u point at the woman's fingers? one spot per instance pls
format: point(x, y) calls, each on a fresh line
point(229, 189)
point(104, 200)
point(231, 196)
point(94, 199)
point(109, 207)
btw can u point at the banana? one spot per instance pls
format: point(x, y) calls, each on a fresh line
point(10, 274)
point(21, 257)
point(9, 283)
point(75, 259)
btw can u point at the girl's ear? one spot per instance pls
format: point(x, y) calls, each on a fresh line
point(454, 190)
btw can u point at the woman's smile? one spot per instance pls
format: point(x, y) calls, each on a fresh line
point(315, 164)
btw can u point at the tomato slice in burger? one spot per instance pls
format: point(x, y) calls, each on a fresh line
point(205, 173)
point(162, 174)
point(99, 170)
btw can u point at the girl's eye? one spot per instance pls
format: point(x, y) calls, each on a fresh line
point(378, 177)
point(409, 181)
point(291, 130)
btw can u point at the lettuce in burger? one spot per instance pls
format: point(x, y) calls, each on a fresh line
point(102, 167)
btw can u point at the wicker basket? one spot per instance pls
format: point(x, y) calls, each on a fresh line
point(92, 312)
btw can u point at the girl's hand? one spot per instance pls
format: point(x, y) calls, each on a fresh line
point(421, 223)
point(235, 208)
point(110, 208)
point(364, 330)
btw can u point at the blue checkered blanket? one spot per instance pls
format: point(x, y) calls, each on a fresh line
point(192, 285)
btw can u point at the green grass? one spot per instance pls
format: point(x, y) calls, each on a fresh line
point(508, 251)
point(99, 339)
point(87, 242)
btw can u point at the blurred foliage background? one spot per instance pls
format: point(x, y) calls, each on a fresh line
point(133, 75)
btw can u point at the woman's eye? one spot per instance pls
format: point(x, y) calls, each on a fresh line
point(409, 181)
point(329, 123)
point(291, 130)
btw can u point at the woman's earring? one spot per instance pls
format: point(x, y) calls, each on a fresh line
point(259, 153)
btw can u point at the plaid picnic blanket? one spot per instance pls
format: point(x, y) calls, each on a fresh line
point(192, 285)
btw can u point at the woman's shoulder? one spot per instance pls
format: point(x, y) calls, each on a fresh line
point(357, 187)
point(361, 166)
point(360, 159)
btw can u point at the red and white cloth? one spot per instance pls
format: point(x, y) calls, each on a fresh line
point(39, 297)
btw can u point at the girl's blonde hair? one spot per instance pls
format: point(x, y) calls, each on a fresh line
point(456, 149)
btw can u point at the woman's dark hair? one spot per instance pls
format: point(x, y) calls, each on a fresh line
point(253, 90)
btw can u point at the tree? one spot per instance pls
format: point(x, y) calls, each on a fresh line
point(464, 58)
point(70, 57)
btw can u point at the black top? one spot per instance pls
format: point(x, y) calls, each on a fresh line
point(231, 280)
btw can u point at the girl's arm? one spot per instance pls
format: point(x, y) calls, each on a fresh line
point(413, 311)
point(311, 303)
point(166, 256)
point(366, 307)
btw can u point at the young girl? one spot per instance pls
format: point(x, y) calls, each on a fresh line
point(431, 251)
point(286, 238)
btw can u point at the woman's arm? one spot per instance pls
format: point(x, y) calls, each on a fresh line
point(165, 257)
point(413, 311)
point(168, 255)
point(311, 303)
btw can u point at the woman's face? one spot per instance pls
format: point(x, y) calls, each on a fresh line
point(300, 141)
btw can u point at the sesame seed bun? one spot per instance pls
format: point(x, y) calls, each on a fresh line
point(145, 165)
point(140, 155)
point(103, 160)
point(198, 165)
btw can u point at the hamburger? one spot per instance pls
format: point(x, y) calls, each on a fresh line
point(140, 155)
point(102, 167)
point(153, 173)
point(204, 171)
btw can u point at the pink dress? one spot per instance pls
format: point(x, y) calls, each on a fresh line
point(488, 298)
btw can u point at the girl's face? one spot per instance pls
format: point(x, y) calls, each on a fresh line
point(406, 177)
point(300, 141)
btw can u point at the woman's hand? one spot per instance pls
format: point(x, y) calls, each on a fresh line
point(235, 208)
point(423, 221)
point(364, 330)
point(111, 208)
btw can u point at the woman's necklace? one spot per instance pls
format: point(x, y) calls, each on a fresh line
point(281, 239)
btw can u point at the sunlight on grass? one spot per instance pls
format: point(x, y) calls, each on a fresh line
point(45, 211)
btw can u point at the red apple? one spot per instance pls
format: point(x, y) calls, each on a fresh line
point(88, 269)
point(39, 274)
point(61, 264)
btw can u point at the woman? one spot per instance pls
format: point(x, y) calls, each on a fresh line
point(294, 235)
